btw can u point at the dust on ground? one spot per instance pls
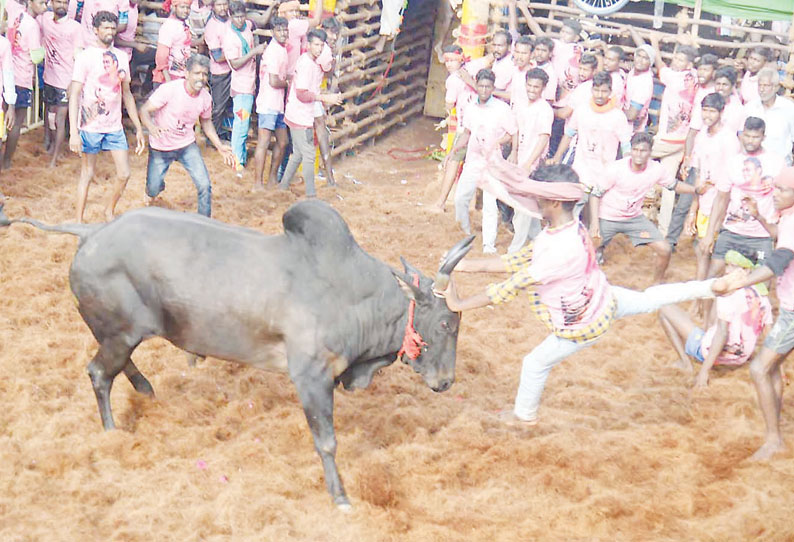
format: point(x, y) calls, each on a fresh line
point(624, 450)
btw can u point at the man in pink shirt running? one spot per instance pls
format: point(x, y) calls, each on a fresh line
point(273, 84)
point(100, 82)
point(63, 39)
point(568, 291)
point(24, 34)
point(765, 367)
point(169, 115)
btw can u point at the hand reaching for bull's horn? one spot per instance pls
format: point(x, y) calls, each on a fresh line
point(448, 263)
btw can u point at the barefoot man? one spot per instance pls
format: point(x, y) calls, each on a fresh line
point(170, 114)
point(101, 80)
point(569, 292)
point(765, 366)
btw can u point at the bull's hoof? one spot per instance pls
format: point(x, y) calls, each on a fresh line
point(142, 385)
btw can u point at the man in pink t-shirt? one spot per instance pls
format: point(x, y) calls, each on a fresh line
point(569, 293)
point(743, 210)
point(488, 123)
point(617, 197)
point(706, 68)
point(713, 144)
point(169, 115)
point(139, 53)
point(756, 60)
point(173, 44)
point(24, 34)
point(273, 84)
point(639, 87)
point(613, 56)
point(100, 82)
point(297, 29)
point(530, 146)
point(299, 111)
point(680, 81)
point(63, 39)
point(542, 57)
point(765, 367)
point(90, 8)
point(600, 128)
point(459, 92)
point(220, 72)
point(241, 53)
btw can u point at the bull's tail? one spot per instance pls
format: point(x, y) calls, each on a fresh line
point(80, 230)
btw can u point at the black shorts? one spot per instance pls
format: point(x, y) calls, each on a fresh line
point(755, 249)
point(54, 95)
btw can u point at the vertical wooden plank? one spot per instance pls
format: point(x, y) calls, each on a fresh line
point(695, 20)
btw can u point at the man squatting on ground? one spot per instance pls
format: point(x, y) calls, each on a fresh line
point(176, 106)
point(569, 292)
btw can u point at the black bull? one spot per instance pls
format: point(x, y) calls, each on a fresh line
point(310, 302)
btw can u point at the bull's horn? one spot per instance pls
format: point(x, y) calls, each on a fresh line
point(453, 257)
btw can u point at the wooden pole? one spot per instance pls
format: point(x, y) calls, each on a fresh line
point(696, 19)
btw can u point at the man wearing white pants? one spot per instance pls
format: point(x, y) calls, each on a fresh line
point(487, 123)
point(570, 293)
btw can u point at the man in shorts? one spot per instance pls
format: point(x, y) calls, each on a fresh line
point(748, 186)
point(568, 291)
point(63, 39)
point(617, 196)
point(765, 366)
point(741, 318)
point(176, 106)
point(273, 84)
point(100, 82)
point(24, 33)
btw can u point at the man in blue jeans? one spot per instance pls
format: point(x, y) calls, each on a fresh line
point(170, 114)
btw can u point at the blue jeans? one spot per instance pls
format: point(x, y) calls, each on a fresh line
point(242, 104)
point(552, 350)
point(190, 157)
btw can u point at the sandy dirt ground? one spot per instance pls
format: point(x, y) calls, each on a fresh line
point(624, 450)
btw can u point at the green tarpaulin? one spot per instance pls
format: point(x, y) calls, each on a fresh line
point(757, 10)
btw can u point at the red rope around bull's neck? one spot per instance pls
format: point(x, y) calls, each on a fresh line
point(412, 342)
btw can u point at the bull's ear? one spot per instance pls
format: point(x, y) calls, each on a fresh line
point(411, 292)
point(409, 269)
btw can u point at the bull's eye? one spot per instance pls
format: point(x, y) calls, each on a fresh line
point(424, 349)
point(444, 325)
